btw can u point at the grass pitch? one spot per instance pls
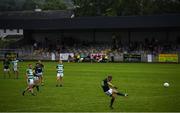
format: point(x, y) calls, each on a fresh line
point(82, 91)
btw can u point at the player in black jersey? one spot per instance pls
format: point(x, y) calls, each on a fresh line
point(111, 90)
point(36, 77)
point(40, 68)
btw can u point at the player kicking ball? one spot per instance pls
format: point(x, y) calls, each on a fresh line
point(60, 74)
point(111, 90)
point(30, 80)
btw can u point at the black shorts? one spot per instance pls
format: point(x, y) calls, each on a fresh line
point(6, 67)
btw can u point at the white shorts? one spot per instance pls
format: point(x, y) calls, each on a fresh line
point(6, 70)
point(15, 68)
point(60, 74)
point(39, 74)
point(109, 92)
point(30, 81)
point(36, 78)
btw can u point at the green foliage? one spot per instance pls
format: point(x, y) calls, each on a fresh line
point(13, 5)
point(54, 5)
point(29, 5)
point(98, 7)
point(95, 7)
point(82, 91)
point(166, 6)
point(125, 7)
point(7, 5)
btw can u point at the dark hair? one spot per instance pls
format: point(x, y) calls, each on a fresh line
point(109, 76)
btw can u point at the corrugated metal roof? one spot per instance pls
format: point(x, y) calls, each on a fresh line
point(48, 14)
point(55, 21)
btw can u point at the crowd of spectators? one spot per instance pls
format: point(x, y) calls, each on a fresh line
point(153, 46)
point(101, 51)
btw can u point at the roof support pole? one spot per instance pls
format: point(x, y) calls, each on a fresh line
point(129, 37)
point(62, 37)
point(167, 36)
point(94, 35)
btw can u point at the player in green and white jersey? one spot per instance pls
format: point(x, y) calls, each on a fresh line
point(30, 80)
point(15, 67)
point(60, 74)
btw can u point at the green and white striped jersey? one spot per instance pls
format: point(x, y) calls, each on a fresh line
point(29, 72)
point(60, 68)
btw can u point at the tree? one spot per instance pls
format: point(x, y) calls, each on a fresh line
point(7, 5)
point(130, 7)
point(166, 6)
point(29, 5)
point(54, 5)
point(94, 7)
point(125, 7)
point(97, 7)
point(16, 5)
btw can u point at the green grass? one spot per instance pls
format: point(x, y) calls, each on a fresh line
point(82, 92)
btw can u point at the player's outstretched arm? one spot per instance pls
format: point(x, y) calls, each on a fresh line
point(110, 85)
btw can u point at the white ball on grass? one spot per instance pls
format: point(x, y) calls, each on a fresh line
point(166, 84)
